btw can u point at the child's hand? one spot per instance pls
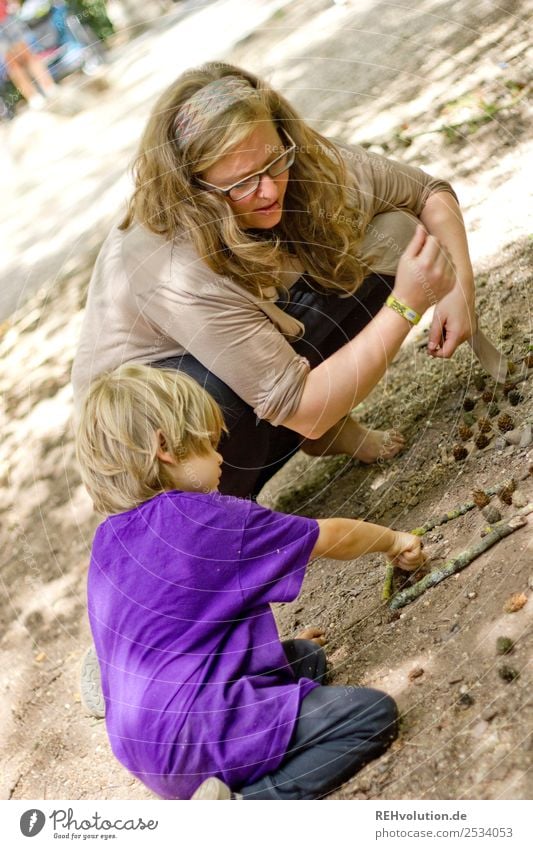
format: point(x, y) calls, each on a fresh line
point(406, 551)
point(316, 635)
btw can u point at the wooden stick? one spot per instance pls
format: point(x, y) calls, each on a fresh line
point(451, 567)
point(388, 585)
point(458, 511)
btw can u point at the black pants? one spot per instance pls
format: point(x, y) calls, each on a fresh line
point(339, 730)
point(254, 450)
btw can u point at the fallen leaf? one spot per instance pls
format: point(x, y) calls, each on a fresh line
point(515, 602)
point(415, 673)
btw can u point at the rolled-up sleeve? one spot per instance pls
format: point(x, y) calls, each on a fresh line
point(233, 338)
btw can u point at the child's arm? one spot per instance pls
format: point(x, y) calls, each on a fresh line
point(347, 539)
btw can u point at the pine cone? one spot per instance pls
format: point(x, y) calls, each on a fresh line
point(515, 397)
point(481, 441)
point(465, 432)
point(505, 423)
point(468, 404)
point(480, 498)
point(459, 452)
point(484, 425)
point(479, 382)
point(488, 396)
point(508, 387)
point(506, 492)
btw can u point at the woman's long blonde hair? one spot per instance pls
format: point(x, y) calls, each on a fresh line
point(318, 225)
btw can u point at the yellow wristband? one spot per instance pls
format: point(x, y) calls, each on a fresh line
point(403, 310)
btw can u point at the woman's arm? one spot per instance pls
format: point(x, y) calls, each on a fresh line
point(455, 316)
point(339, 383)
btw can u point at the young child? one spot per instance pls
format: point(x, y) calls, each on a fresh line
point(202, 699)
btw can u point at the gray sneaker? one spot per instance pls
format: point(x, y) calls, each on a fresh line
point(213, 789)
point(91, 694)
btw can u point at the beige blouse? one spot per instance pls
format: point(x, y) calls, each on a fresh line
point(150, 298)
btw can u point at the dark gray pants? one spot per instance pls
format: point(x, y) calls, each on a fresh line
point(339, 730)
point(254, 450)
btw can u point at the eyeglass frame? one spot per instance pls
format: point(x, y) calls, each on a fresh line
point(226, 191)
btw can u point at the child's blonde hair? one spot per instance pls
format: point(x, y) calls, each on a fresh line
point(117, 441)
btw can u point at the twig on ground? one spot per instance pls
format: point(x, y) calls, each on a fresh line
point(497, 532)
point(458, 511)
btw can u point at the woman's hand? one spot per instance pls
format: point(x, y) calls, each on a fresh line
point(453, 323)
point(406, 551)
point(425, 272)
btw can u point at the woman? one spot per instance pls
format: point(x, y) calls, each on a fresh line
point(256, 255)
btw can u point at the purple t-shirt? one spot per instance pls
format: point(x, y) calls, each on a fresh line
point(194, 676)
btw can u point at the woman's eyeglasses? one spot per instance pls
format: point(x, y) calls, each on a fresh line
point(250, 184)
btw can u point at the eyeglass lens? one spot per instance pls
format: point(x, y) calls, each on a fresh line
point(247, 187)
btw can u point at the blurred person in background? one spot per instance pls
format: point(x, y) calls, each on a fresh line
point(25, 70)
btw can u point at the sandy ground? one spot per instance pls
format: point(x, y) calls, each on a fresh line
point(443, 85)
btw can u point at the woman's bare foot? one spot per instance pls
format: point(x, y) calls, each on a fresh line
point(351, 437)
point(316, 635)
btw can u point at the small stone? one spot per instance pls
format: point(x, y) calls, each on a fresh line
point(519, 499)
point(492, 514)
point(489, 713)
point(417, 672)
point(465, 701)
point(471, 595)
point(480, 728)
point(520, 436)
point(480, 498)
point(505, 423)
point(493, 410)
point(530, 582)
point(468, 404)
point(508, 674)
point(500, 443)
point(515, 397)
point(481, 441)
point(465, 432)
point(504, 645)
point(459, 453)
point(484, 425)
point(515, 602)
